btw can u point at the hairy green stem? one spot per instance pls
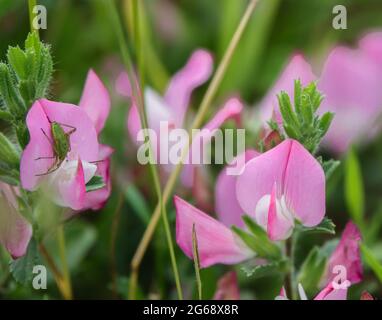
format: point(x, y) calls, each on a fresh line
point(31, 5)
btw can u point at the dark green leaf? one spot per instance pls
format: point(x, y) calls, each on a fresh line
point(95, 183)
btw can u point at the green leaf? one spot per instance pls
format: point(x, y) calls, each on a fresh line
point(329, 167)
point(138, 203)
point(372, 261)
point(354, 190)
point(258, 240)
point(8, 152)
point(95, 183)
point(326, 226)
point(22, 268)
point(17, 60)
point(259, 271)
point(325, 122)
point(312, 271)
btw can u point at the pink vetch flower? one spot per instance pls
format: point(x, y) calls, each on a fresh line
point(216, 242)
point(67, 184)
point(227, 207)
point(172, 107)
point(297, 68)
point(280, 186)
point(15, 230)
point(347, 254)
point(350, 81)
point(227, 287)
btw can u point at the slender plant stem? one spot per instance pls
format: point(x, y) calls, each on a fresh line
point(31, 5)
point(144, 124)
point(195, 253)
point(113, 240)
point(58, 278)
point(210, 93)
point(64, 262)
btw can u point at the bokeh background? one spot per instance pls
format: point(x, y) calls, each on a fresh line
point(101, 244)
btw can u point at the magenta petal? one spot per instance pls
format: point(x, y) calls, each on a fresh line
point(304, 186)
point(95, 200)
point(15, 230)
point(72, 193)
point(95, 100)
point(279, 227)
point(226, 205)
point(371, 45)
point(329, 293)
point(228, 287)
point(347, 254)
point(216, 243)
point(83, 142)
point(297, 175)
point(197, 70)
point(296, 69)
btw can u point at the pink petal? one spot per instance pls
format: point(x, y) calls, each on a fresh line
point(231, 110)
point(371, 45)
point(95, 200)
point(304, 186)
point(216, 243)
point(279, 227)
point(228, 287)
point(72, 191)
point(83, 141)
point(197, 71)
point(123, 86)
point(297, 175)
point(347, 254)
point(226, 205)
point(329, 293)
point(15, 230)
point(297, 68)
point(351, 84)
point(95, 100)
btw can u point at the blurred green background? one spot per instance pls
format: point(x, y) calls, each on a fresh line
point(101, 244)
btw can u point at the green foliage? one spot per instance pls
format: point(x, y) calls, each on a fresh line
point(312, 271)
point(263, 270)
point(301, 121)
point(22, 268)
point(372, 261)
point(326, 226)
point(258, 240)
point(95, 183)
point(354, 189)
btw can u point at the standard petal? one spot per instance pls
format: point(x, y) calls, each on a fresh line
point(197, 71)
point(304, 186)
point(259, 176)
point(297, 68)
point(216, 243)
point(226, 205)
point(371, 45)
point(95, 100)
point(15, 230)
point(347, 254)
point(38, 156)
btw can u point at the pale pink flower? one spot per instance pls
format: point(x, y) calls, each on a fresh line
point(227, 287)
point(280, 186)
point(173, 106)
